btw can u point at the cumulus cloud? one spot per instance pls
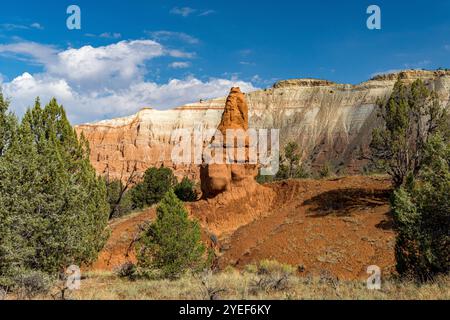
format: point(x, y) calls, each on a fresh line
point(95, 83)
point(30, 51)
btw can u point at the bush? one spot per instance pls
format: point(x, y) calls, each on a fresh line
point(185, 190)
point(271, 276)
point(156, 183)
point(128, 270)
point(421, 212)
point(326, 171)
point(172, 244)
point(31, 284)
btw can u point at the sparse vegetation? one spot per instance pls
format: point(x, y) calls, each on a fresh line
point(236, 285)
point(326, 171)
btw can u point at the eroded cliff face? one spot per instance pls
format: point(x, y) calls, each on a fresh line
point(331, 122)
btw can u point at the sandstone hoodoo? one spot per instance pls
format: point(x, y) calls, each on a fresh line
point(218, 178)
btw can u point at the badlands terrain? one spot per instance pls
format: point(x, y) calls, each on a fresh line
point(330, 122)
point(334, 227)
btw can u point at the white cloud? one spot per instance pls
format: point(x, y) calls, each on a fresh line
point(447, 47)
point(14, 26)
point(207, 13)
point(95, 83)
point(37, 26)
point(38, 53)
point(180, 65)
point(184, 11)
point(105, 35)
point(166, 35)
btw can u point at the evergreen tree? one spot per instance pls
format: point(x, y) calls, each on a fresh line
point(411, 115)
point(185, 190)
point(156, 183)
point(8, 125)
point(172, 244)
point(421, 211)
point(55, 209)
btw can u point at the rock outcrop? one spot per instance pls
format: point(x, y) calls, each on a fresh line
point(331, 122)
point(218, 178)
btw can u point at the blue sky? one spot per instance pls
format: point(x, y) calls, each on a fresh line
point(130, 54)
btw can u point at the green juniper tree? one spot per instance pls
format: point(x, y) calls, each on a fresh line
point(8, 125)
point(172, 244)
point(413, 146)
point(185, 190)
point(421, 210)
point(410, 116)
point(53, 206)
point(156, 183)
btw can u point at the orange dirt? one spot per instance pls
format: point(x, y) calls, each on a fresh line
point(119, 248)
point(336, 227)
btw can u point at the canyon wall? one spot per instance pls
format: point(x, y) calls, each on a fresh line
point(331, 123)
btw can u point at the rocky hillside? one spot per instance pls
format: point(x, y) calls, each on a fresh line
point(331, 122)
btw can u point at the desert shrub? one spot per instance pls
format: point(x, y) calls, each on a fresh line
point(209, 288)
point(271, 276)
point(127, 270)
point(302, 172)
point(261, 179)
point(53, 208)
point(421, 212)
point(156, 183)
point(172, 244)
point(290, 165)
point(326, 171)
point(185, 190)
point(30, 284)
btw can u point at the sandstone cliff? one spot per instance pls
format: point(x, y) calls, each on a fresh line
point(331, 122)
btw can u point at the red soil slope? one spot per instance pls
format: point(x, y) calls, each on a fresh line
point(338, 227)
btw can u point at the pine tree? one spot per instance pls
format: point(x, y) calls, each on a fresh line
point(172, 244)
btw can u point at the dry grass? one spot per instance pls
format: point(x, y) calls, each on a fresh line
point(267, 280)
point(232, 284)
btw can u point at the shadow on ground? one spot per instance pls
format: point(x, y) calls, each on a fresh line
point(344, 202)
